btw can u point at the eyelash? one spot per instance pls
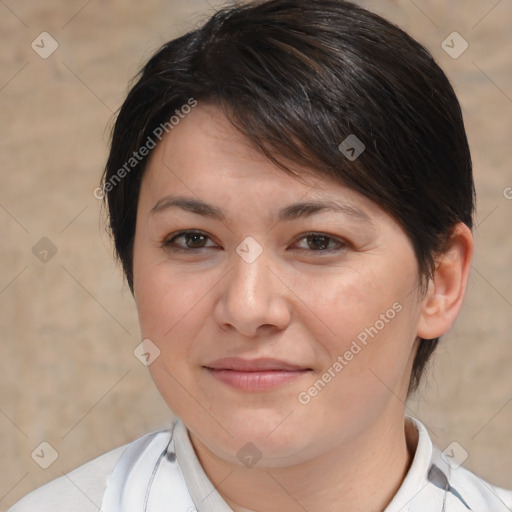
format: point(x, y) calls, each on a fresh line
point(167, 244)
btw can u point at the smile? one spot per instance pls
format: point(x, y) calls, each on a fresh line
point(255, 380)
point(254, 374)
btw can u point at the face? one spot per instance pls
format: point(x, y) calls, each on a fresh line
point(292, 328)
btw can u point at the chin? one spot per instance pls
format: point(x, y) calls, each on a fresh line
point(276, 443)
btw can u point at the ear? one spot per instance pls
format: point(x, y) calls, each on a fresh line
point(446, 290)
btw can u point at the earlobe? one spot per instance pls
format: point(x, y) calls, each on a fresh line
point(446, 290)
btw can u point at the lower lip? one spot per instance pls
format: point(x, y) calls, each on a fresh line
point(255, 381)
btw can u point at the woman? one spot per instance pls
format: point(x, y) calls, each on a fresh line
point(291, 197)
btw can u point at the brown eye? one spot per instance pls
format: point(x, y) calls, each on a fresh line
point(319, 242)
point(193, 240)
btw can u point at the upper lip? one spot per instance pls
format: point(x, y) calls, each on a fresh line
point(252, 365)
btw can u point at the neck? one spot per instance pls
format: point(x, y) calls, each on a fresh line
point(361, 476)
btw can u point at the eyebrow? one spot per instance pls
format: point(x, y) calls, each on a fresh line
point(287, 213)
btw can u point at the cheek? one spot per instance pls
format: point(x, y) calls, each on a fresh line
point(169, 306)
point(167, 300)
point(345, 303)
point(368, 319)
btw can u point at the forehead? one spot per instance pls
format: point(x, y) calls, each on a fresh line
point(207, 160)
point(206, 143)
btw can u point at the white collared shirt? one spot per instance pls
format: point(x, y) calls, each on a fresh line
point(160, 472)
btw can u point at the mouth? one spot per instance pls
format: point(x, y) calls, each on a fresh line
point(256, 374)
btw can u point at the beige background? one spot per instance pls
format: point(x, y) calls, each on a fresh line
point(68, 326)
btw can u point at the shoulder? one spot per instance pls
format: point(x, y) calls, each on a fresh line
point(437, 481)
point(481, 495)
point(474, 493)
point(82, 488)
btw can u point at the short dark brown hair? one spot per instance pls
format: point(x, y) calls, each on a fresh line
point(297, 77)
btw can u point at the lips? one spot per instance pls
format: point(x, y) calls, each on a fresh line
point(253, 365)
point(254, 374)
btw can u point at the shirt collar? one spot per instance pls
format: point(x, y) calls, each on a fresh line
point(411, 496)
point(161, 472)
point(202, 491)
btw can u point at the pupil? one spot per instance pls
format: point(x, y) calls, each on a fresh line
point(316, 238)
point(195, 238)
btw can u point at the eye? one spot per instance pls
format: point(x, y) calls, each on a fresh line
point(319, 242)
point(194, 240)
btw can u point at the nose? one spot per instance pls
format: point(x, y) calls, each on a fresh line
point(254, 298)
